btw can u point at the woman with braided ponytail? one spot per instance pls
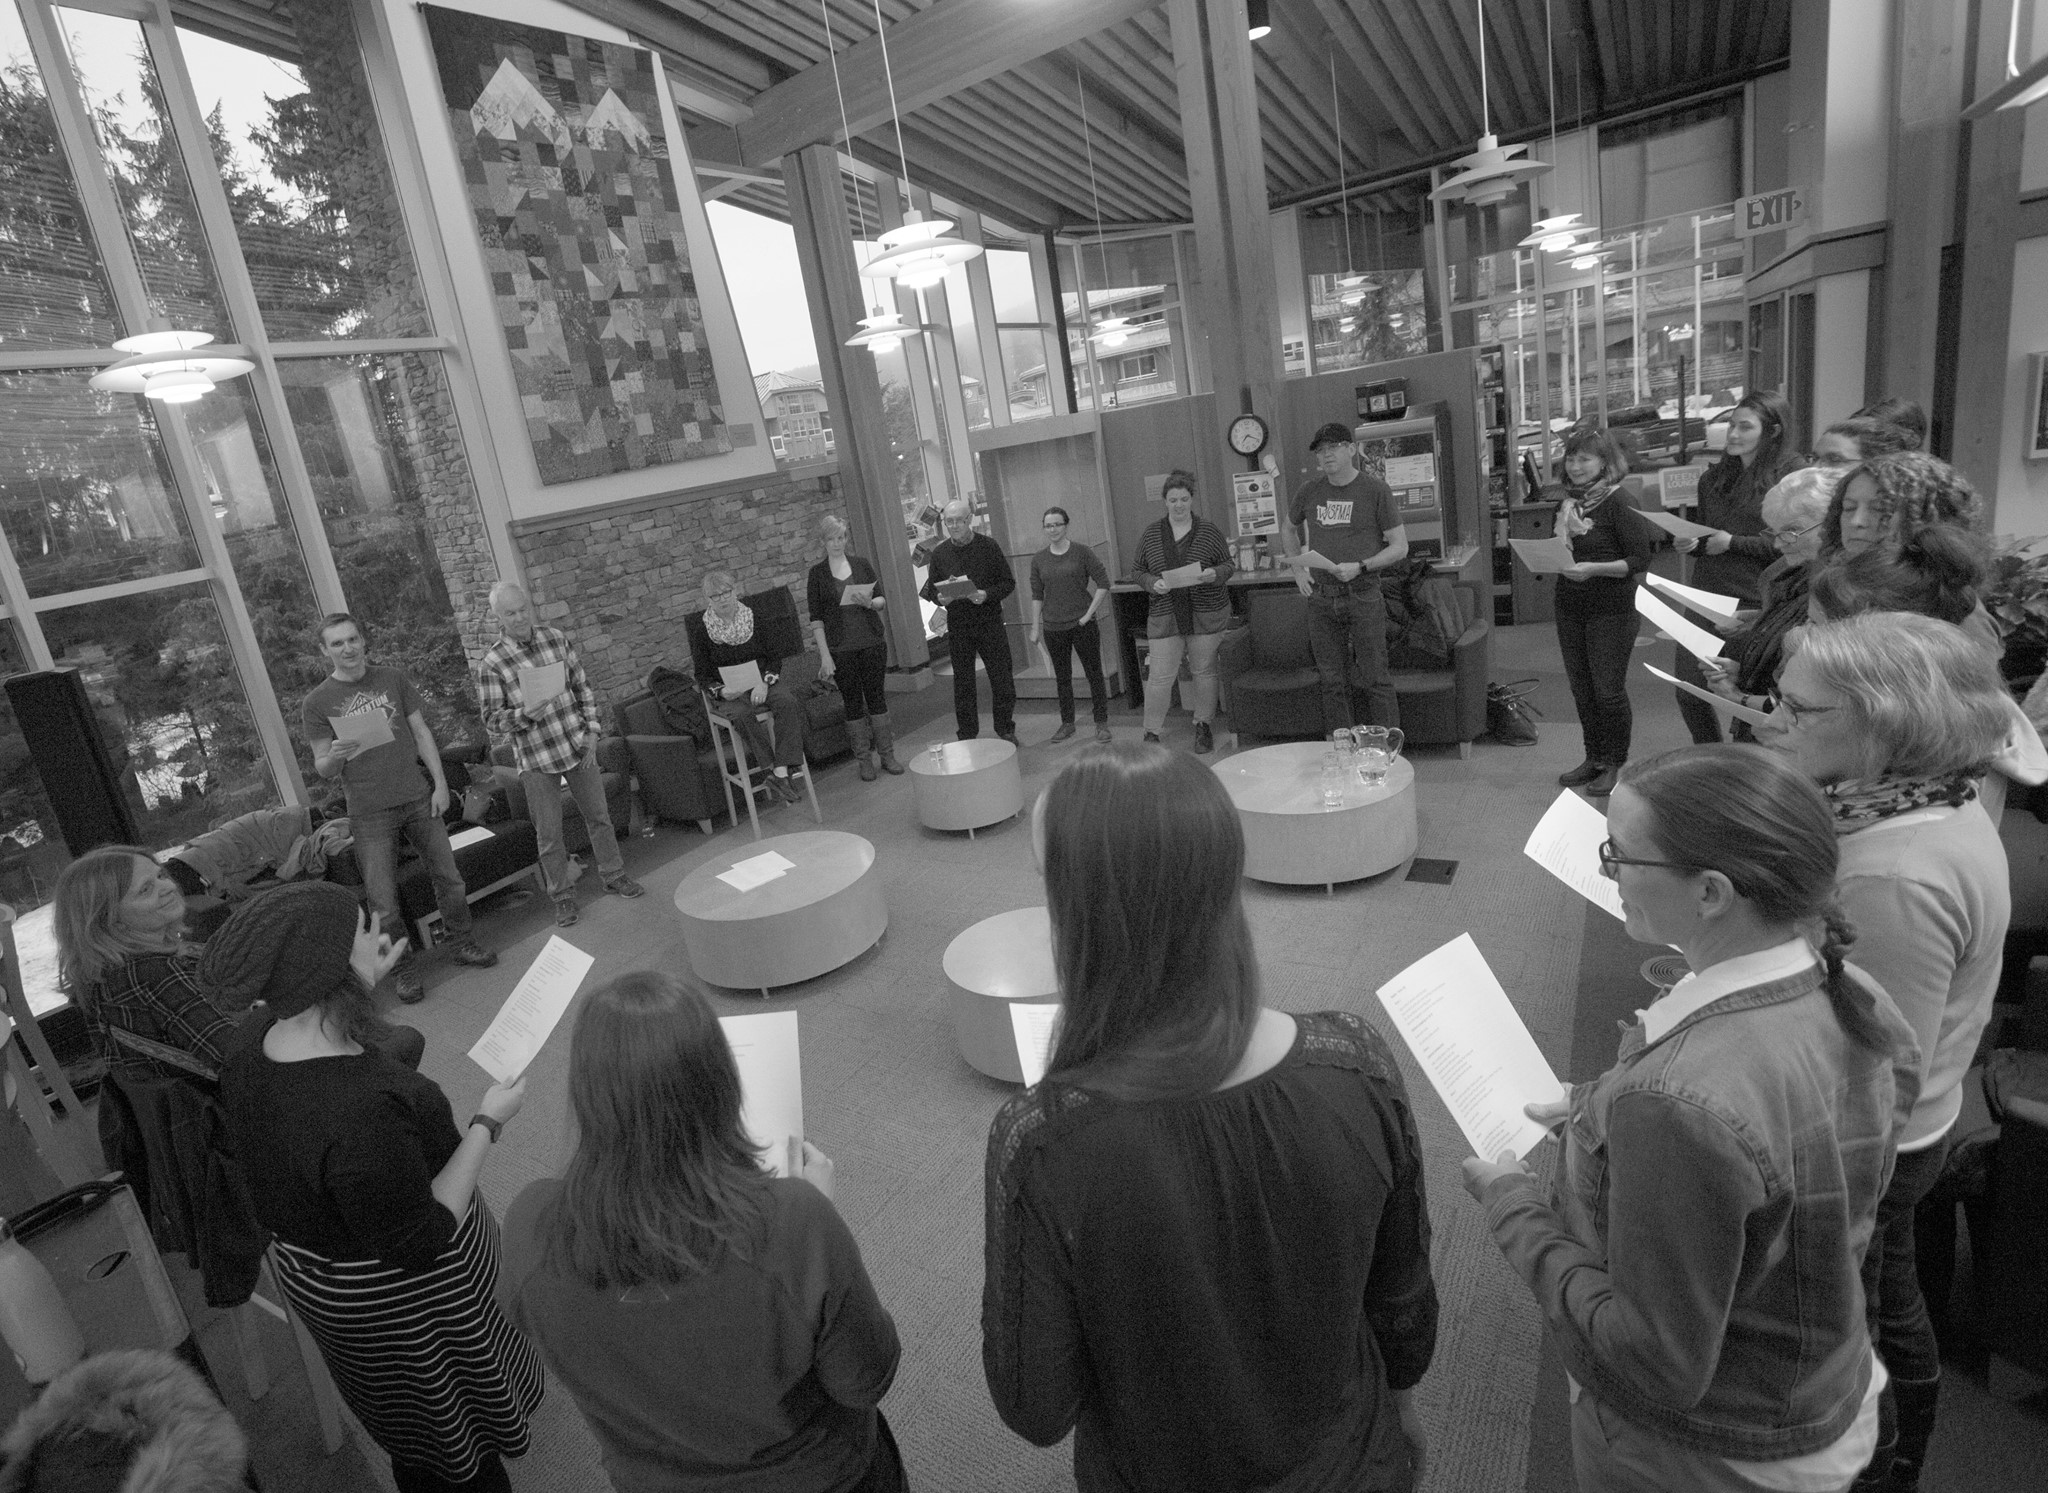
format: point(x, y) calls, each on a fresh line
point(1697, 1260)
point(1895, 717)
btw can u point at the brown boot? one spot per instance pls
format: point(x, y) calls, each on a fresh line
point(863, 744)
point(885, 745)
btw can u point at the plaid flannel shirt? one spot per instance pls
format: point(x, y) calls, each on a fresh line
point(160, 999)
point(562, 736)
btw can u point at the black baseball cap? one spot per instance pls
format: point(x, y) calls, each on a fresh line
point(1334, 434)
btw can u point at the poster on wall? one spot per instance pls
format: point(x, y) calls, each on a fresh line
point(575, 203)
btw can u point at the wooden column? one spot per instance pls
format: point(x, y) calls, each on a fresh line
point(834, 292)
point(1235, 300)
point(1928, 47)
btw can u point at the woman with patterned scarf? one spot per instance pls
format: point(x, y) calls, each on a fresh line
point(1894, 716)
point(735, 642)
point(1596, 600)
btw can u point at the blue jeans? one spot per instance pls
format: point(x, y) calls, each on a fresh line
point(1347, 636)
point(544, 807)
point(376, 844)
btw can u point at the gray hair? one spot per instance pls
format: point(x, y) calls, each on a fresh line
point(1924, 695)
point(1804, 495)
point(832, 526)
point(506, 590)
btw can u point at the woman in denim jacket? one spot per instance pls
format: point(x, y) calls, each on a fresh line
point(1697, 1260)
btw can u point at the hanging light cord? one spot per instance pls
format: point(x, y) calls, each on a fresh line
point(1088, 145)
point(860, 209)
point(1550, 78)
point(889, 74)
point(1343, 182)
point(1485, 109)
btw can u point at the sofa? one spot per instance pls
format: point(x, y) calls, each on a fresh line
point(825, 731)
point(1271, 687)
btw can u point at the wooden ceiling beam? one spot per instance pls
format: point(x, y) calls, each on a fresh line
point(1410, 117)
point(1137, 73)
point(1054, 79)
point(1126, 186)
point(1613, 81)
point(970, 181)
point(706, 53)
point(933, 54)
point(1456, 97)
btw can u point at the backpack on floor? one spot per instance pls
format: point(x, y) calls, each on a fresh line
point(1510, 718)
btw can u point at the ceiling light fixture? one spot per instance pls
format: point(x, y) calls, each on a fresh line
point(1114, 331)
point(918, 254)
point(881, 331)
point(1492, 173)
point(1111, 331)
point(1257, 13)
point(168, 366)
point(1559, 234)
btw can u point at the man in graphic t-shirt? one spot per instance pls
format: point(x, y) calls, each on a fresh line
point(392, 786)
point(1344, 525)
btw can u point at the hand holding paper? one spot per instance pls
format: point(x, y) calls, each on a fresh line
point(1677, 528)
point(1182, 576)
point(1566, 843)
point(1544, 556)
point(1310, 560)
point(1706, 603)
point(1690, 636)
point(1034, 1027)
point(1726, 707)
point(857, 595)
point(739, 679)
point(543, 682)
point(370, 729)
point(956, 588)
point(530, 1012)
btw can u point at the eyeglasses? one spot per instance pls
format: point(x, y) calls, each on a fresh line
point(1786, 536)
point(1609, 862)
point(1055, 523)
point(1796, 711)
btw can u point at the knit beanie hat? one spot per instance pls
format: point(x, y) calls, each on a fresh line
point(289, 946)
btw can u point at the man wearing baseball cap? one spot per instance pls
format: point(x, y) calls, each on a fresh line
point(1342, 530)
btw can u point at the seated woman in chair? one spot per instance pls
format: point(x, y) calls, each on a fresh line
point(729, 624)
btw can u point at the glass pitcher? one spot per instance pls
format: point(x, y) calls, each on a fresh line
point(1378, 746)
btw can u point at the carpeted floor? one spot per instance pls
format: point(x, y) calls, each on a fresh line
point(887, 1095)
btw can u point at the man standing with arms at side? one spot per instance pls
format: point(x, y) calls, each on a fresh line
point(1349, 519)
point(974, 621)
point(553, 738)
point(396, 785)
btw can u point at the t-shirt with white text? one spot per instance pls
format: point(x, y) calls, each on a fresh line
point(385, 776)
point(1346, 524)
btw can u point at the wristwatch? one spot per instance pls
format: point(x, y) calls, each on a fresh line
point(494, 1126)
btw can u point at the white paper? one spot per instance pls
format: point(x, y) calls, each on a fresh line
point(1677, 528)
point(1708, 603)
point(530, 1012)
point(756, 870)
point(1033, 1025)
point(1566, 843)
point(857, 595)
point(1182, 576)
point(766, 1051)
point(739, 679)
point(372, 728)
point(1310, 560)
point(1472, 1046)
point(956, 588)
point(470, 836)
point(1690, 636)
point(1544, 556)
point(1726, 707)
point(542, 683)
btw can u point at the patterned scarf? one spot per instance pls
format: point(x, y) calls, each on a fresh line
point(1579, 507)
point(1861, 802)
point(739, 630)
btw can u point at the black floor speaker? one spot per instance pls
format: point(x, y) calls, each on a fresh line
point(79, 779)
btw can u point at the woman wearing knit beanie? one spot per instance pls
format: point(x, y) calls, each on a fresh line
point(356, 1165)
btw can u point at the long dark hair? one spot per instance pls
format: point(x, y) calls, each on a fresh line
point(1874, 437)
point(1774, 454)
point(1937, 572)
point(1903, 413)
point(1918, 492)
point(1144, 858)
point(664, 1182)
point(1755, 818)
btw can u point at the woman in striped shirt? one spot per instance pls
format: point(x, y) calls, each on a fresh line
point(1182, 563)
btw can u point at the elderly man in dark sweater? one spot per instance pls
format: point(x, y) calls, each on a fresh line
point(974, 620)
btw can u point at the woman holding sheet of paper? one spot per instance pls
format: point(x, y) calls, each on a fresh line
point(1793, 512)
point(1895, 715)
point(1182, 563)
point(1208, 1244)
point(1596, 599)
point(1696, 1259)
point(844, 596)
point(735, 643)
point(713, 1322)
point(355, 1164)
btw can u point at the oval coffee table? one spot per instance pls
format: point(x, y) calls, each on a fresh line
point(999, 962)
point(1291, 837)
point(966, 784)
point(822, 912)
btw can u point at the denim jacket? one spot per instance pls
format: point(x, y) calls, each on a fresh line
point(1698, 1260)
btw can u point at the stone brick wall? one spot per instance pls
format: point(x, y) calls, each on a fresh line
point(620, 581)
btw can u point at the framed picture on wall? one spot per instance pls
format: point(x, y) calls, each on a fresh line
point(2037, 407)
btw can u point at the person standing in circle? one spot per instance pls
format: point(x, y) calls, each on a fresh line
point(974, 621)
point(1068, 587)
point(851, 647)
point(1186, 619)
point(1349, 519)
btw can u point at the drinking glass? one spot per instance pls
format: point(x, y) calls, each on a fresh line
point(1334, 777)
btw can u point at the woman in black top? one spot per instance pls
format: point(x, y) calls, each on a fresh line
point(354, 1162)
point(1186, 620)
point(734, 640)
point(1596, 600)
point(1793, 511)
point(1068, 587)
point(1732, 559)
point(851, 647)
point(1207, 1240)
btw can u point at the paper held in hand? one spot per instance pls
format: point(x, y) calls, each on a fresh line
point(857, 595)
point(740, 679)
point(1706, 603)
point(1310, 560)
point(1182, 576)
point(1544, 556)
point(1677, 528)
point(543, 682)
point(1690, 636)
point(530, 1012)
point(1473, 1047)
point(1566, 843)
point(766, 1051)
point(956, 588)
point(371, 728)
point(756, 870)
point(1033, 1025)
point(1726, 707)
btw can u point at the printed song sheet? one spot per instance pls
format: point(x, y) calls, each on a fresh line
point(1707, 603)
point(740, 679)
point(530, 1012)
point(1690, 636)
point(766, 1051)
point(1726, 707)
point(1182, 576)
point(1566, 843)
point(1473, 1047)
point(1544, 556)
point(543, 683)
point(371, 728)
point(956, 588)
point(756, 870)
point(1033, 1025)
point(474, 835)
point(857, 595)
point(1676, 527)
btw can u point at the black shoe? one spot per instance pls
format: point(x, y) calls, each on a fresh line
point(473, 954)
point(1204, 741)
point(565, 912)
point(1065, 733)
point(625, 886)
point(1010, 735)
point(406, 981)
point(783, 789)
point(1152, 736)
point(1602, 785)
point(1585, 772)
point(1102, 733)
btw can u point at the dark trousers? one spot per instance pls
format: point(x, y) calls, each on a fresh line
point(992, 645)
point(785, 709)
point(1060, 647)
point(1597, 647)
point(858, 673)
point(1701, 719)
point(489, 1477)
point(1899, 1324)
point(1347, 636)
point(885, 1470)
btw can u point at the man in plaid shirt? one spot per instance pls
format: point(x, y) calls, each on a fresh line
point(552, 739)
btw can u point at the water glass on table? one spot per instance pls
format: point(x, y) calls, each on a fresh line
point(1335, 778)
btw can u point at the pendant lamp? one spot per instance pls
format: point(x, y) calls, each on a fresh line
point(171, 367)
point(1494, 172)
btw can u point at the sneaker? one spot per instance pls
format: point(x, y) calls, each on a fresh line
point(1102, 735)
point(1065, 733)
point(473, 954)
point(565, 912)
point(783, 789)
point(1603, 785)
point(1585, 772)
point(625, 886)
point(1152, 736)
point(1204, 740)
point(405, 980)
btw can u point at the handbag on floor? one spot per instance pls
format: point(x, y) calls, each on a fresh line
point(1510, 718)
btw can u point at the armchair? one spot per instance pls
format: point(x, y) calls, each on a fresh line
point(678, 774)
point(825, 733)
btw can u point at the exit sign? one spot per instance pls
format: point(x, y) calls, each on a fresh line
point(1770, 212)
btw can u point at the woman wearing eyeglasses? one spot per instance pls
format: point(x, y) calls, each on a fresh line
point(1859, 438)
point(1695, 1259)
point(1793, 511)
point(1069, 585)
point(1894, 716)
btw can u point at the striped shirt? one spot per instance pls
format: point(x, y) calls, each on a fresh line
point(562, 736)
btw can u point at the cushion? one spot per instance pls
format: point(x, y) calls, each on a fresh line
point(1279, 624)
point(1423, 681)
